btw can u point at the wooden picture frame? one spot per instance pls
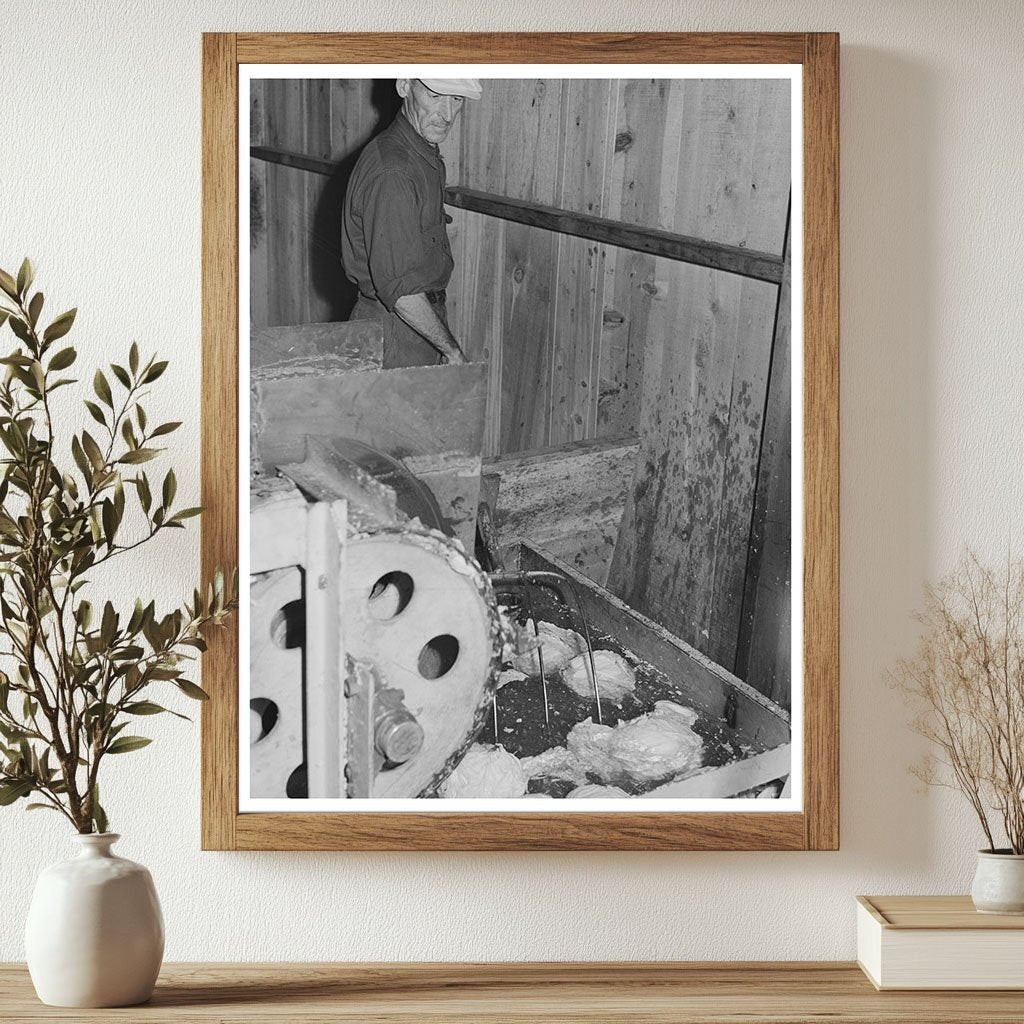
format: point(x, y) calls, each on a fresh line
point(816, 826)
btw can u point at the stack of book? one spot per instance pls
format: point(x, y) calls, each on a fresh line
point(938, 942)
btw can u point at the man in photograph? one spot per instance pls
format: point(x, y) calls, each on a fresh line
point(394, 242)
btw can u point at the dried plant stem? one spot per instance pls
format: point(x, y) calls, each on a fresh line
point(967, 680)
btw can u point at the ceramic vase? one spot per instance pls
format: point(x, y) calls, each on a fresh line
point(999, 882)
point(95, 934)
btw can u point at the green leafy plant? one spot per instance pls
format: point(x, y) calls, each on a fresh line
point(79, 672)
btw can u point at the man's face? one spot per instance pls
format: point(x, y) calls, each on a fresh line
point(431, 114)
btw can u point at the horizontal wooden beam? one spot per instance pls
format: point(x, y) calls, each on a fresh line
point(731, 259)
point(762, 266)
point(289, 159)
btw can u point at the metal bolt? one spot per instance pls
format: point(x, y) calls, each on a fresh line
point(398, 736)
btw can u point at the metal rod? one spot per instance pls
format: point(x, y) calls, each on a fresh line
point(540, 661)
point(556, 581)
point(590, 647)
point(531, 577)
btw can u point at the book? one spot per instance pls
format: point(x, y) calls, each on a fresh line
point(938, 942)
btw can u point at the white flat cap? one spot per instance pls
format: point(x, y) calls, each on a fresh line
point(467, 87)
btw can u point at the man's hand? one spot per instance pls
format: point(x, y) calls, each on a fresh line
point(419, 314)
point(457, 357)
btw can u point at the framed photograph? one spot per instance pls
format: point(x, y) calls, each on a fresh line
point(520, 419)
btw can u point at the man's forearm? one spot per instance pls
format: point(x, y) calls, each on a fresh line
point(419, 314)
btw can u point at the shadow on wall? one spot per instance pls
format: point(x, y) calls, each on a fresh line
point(889, 270)
point(326, 272)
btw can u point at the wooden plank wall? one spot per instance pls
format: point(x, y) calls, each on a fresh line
point(586, 340)
point(295, 216)
point(585, 312)
point(764, 640)
point(634, 343)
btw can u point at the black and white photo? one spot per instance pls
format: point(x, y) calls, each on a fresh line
point(523, 503)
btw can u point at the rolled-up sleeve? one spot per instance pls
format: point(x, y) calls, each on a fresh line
point(403, 259)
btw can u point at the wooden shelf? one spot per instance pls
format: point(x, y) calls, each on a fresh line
point(698, 993)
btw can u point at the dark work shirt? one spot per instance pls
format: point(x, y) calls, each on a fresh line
point(393, 237)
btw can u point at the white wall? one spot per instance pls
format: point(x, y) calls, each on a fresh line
point(99, 182)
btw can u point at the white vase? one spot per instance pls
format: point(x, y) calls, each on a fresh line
point(999, 883)
point(95, 934)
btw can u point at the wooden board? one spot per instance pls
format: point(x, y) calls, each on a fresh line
point(219, 464)
point(310, 349)
point(476, 300)
point(732, 778)
point(526, 340)
point(524, 993)
point(633, 196)
point(568, 499)
point(288, 282)
point(305, 350)
point(429, 417)
point(734, 259)
point(763, 652)
point(682, 551)
point(321, 208)
point(420, 410)
point(585, 150)
point(734, 153)
point(509, 147)
point(259, 245)
point(707, 686)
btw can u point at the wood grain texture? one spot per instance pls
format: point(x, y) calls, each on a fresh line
point(634, 197)
point(259, 243)
point(568, 499)
point(763, 650)
point(288, 290)
point(527, 331)
point(763, 266)
point(936, 912)
point(821, 440)
point(817, 826)
point(522, 47)
point(703, 684)
point(219, 430)
point(305, 137)
point(524, 993)
point(593, 311)
point(315, 348)
point(478, 306)
point(519, 832)
point(289, 158)
point(413, 411)
point(683, 547)
point(734, 155)
point(724, 177)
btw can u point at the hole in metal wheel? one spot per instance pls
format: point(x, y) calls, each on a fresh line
point(297, 787)
point(267, 714)
point(390, 595)
point(438, 656)
point(288, 626)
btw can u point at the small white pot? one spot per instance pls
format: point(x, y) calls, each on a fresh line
point(999, 883)
point(95, 934)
